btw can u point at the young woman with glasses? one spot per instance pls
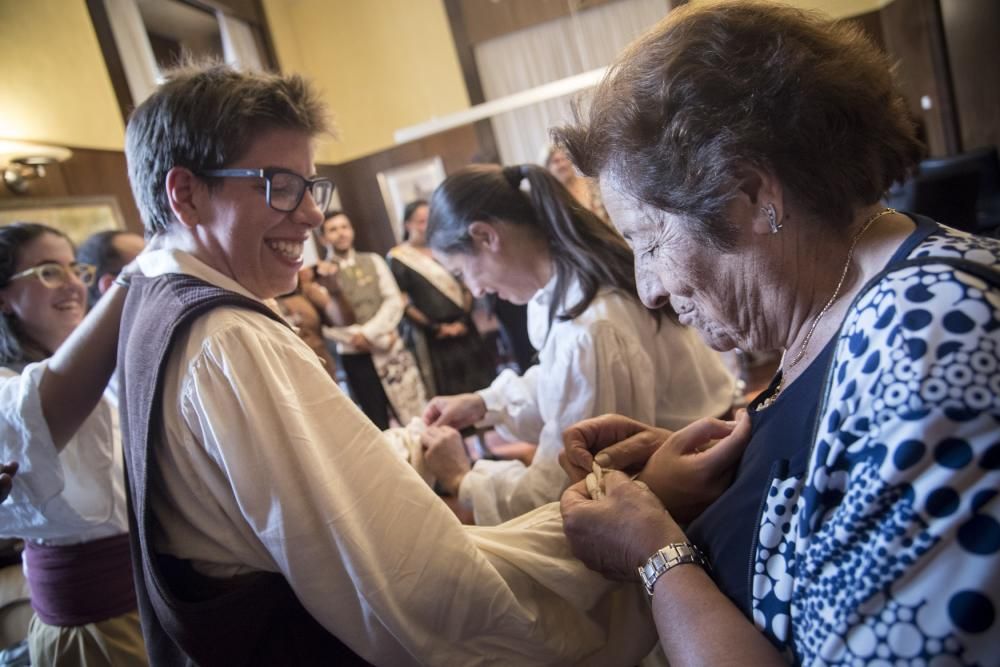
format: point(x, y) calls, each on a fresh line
point(67, 498)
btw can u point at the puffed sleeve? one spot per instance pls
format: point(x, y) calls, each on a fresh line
point(47, 501)
point(512, 405)
point(594, 371)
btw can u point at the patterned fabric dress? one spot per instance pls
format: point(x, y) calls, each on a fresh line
point(878, 541)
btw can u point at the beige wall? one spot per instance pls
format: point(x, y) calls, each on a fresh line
point(54, 85)
point(381, 64)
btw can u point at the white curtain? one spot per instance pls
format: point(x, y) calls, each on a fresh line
point(548, 52)
point(138, 61)
point(238, 44)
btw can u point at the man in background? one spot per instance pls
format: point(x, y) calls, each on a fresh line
point(108, 252)
point(381, 372)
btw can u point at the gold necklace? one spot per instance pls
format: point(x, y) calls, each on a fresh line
point(833, 298)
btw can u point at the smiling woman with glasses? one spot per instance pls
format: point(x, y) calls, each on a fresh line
point(285, 188)
point(67, 498)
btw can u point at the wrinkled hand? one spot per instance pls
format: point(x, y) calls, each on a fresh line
point(7, 472)
point(445, 455)
point(696, 465)
point(457, 411)
point(618, 442)
point(359, 342)
point(619, 532)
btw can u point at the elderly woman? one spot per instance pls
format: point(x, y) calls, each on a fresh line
point(742, 151)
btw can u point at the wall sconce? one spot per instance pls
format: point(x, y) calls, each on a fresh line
point(23, 162)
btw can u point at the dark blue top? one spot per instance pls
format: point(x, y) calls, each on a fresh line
point(779, 447)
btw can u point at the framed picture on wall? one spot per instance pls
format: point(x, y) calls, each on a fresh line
point(401, 185)
point(78, 217)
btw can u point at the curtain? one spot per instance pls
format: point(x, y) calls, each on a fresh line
point(238, 43)
point(138, 61)
point(548, 52)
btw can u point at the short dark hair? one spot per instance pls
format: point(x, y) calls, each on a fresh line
point(99, 251)
point(408, 212)
point(581, 244)
point(205, 116)
point(712, 89)
point(16, 348)
point(412, 207)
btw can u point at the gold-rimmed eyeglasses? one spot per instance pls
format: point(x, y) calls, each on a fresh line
point(53, 274)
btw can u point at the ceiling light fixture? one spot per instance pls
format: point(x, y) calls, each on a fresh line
point(23, 162)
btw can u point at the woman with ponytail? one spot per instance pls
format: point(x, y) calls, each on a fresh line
point(517, 232)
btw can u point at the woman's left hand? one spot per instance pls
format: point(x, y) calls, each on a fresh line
point(619, 532)
point(696, 465)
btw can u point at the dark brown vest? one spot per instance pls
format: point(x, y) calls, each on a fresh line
point(189, 618)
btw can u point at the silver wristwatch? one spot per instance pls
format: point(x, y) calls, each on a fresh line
point(668, 557)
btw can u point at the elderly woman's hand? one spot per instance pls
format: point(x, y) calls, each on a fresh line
point(619, 532)
point(7, 472)
point(613, 441)
point(696, 465)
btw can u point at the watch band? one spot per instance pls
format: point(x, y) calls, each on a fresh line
point(667, 558)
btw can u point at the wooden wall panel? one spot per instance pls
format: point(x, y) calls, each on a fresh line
point(88, 173)
point(358, 188)
point(972, 35)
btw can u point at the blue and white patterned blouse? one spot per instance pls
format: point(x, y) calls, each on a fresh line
point(882, 545)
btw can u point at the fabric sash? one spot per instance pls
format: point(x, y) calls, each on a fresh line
point(432, 271)
point(78, 584)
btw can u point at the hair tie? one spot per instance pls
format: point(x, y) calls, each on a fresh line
point(514, 174)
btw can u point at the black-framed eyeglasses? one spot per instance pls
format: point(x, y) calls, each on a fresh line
point(53, 274)
point(285, 188)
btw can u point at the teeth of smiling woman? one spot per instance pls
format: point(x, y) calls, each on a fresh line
point(290, 249)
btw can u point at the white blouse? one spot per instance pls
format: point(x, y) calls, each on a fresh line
point(68, 497)
point(267, 465)
point(612, 358)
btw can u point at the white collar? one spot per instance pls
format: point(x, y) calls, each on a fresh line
point(538, 308)
point(347, 260)
point(171, 260)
